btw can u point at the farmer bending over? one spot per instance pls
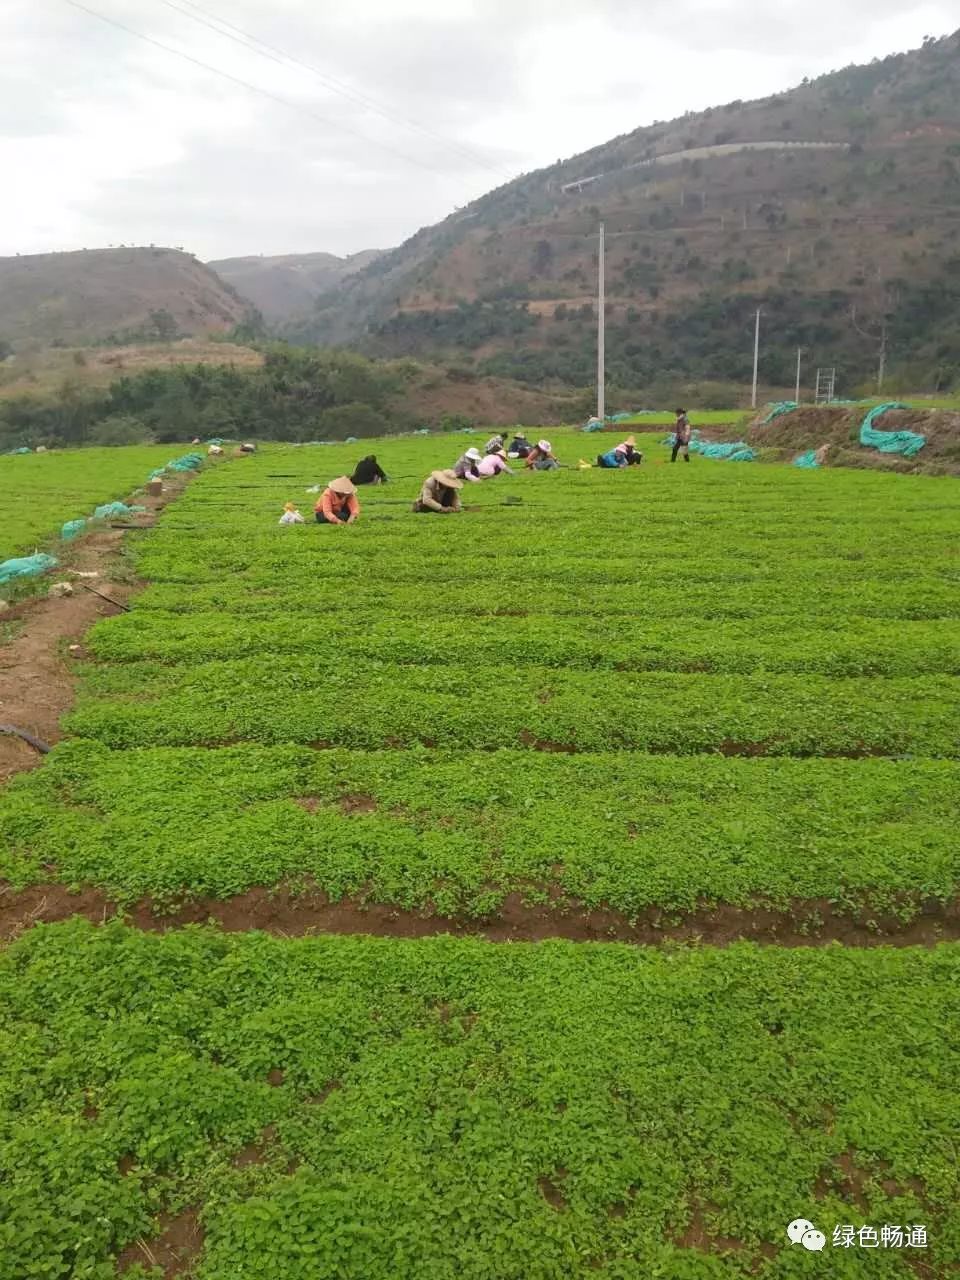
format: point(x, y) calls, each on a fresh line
point(519, 446)
point(493, 445)
point(440, 493)
point(493, 464)
point(338, 503)
point(541, 457)
point(369, 471)
point(465, 467)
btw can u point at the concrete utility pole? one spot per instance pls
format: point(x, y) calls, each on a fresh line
point(799, 354)
point(756, 359)
point(601, 334)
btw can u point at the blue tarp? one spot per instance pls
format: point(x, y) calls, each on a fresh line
point(906, 443)
point(72, 529)
point(808, 459)
point(115, 510)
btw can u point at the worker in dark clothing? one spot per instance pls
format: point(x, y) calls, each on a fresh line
point(369, 471)
point(681, 436)
point(519, 446)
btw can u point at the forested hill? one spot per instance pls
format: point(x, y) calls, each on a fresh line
point(835, 206)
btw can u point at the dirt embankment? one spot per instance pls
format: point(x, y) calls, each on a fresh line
point(838, 428)
point(36, 683)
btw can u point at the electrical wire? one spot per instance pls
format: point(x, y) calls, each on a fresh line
point(245, 84)
point(275, 54)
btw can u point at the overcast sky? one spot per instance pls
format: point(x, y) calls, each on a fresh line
point(106, 139)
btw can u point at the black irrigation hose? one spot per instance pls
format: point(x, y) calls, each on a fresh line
point(27, 737)
point(94, 591)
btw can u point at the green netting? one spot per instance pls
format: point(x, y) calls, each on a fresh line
point(808, 459)
point(189, 462)
point(72, 529)
point(906, 443)
point(779, 409)
point(738, 451)
point(113, 510)
point(26, 567)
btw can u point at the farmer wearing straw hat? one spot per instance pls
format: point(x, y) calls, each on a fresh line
point(338, 503)
point(624, 455)
point(440, 493)
point(493, 464)
point(519, 446)
point(465, 466)
point(541, 457)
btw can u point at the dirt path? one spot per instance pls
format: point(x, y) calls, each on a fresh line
point(36, 683)
point(804, 924)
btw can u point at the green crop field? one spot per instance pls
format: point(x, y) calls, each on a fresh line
point(658, 697)
point(40, 492)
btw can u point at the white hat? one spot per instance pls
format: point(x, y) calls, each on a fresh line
point(544, 446)
point(475, 455)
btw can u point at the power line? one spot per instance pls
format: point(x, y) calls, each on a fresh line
point(245, 84)
point(275, 54)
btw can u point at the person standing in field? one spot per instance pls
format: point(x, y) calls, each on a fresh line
point(493, 464)
point(338, 503)
point(681, 436)
point(369, 471)
point(440, 493)
point(541, 457)
point(465, 466)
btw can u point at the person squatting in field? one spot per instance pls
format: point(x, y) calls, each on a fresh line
point(519, 446)
point(681, 437)
point(465, 467)
point(541, 457)
point(338, 503)
point(291, 515)
point(440, 493)
point(493, 445)
point(369, 471)
point(624, 455)
point(492, 464)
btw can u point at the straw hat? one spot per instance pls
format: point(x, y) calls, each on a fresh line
point(289, 506)
point(449, 479)
point(343, 485)
point(630, 442)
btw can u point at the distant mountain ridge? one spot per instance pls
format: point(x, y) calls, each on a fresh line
point(287, 286)
point(834, 207)
point(90, 294)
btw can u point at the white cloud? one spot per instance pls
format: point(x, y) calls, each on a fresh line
point(105, 138)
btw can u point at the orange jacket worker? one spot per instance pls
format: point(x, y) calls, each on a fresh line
point(338, 503)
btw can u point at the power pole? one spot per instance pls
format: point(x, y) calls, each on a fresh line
point(799, 354)
point(601, 333)
point(756, 359)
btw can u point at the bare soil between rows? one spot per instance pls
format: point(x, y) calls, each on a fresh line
point(36, 684)
point(806, 923)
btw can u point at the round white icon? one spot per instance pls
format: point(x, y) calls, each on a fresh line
point(798, 1229)
point(813, 1240)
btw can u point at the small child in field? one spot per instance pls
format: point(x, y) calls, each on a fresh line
point(291, 515)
